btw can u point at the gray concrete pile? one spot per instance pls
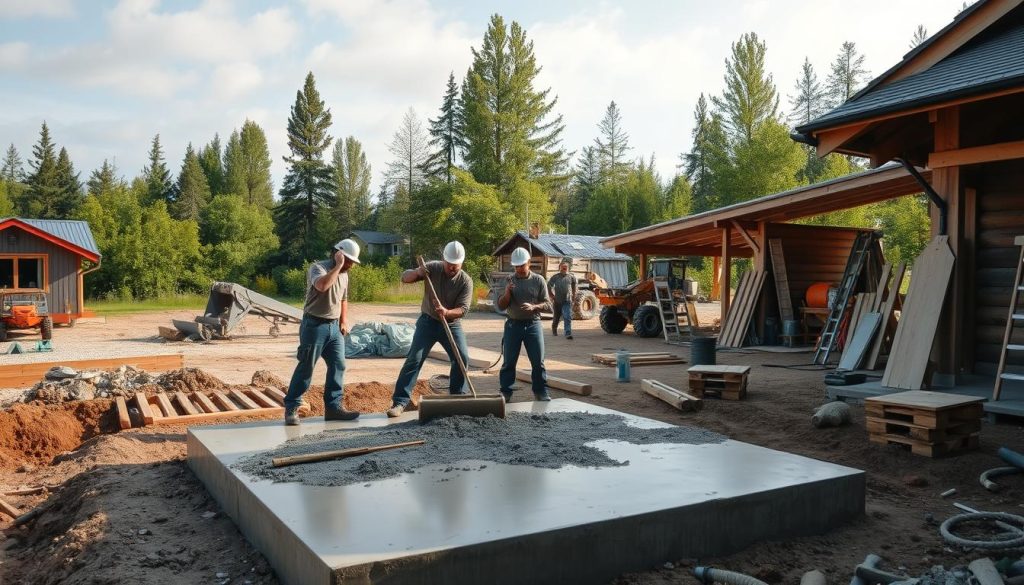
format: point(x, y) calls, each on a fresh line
point(65, 384)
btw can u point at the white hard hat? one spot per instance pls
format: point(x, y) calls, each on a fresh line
point(349, 248)
point(520, 256)
point(454, 253)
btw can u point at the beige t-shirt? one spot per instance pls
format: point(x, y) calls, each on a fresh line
point(454, 293)
point(327, 304)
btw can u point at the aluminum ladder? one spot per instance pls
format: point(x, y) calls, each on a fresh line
point(670, 312)
point(1015, 316)
point(854, 265)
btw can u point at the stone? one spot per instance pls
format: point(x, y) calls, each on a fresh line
point(208, 515)
point(222, 575)
point(915, 481)
point(143, 532)
point(60, 373)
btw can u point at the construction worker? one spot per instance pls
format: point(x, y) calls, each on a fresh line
point(321, 333)
point(562, 288)
point(454, 289)
point(525, 296)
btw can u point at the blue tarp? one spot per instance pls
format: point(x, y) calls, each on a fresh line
point(376, 339)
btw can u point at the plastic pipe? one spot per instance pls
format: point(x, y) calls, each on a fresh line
point(708, 575)
point(986, 477)
point(1012, 457)
point(872, 574)
point(871, 561)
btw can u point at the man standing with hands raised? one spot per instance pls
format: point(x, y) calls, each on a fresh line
point(454, 292)
point(526, 295)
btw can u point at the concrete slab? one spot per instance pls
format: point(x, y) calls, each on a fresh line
point(516, 524)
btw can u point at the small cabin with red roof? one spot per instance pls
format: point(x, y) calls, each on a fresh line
point(51, 256)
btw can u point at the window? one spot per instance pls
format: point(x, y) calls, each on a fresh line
point(23, 272)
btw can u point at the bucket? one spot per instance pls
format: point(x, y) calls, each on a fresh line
point(702, 351)
point(790, 328)
point(622, 366)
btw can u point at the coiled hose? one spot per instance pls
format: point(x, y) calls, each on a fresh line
point(709, 575)
point(869, 572)
point(1008, 540)
point(986, 478)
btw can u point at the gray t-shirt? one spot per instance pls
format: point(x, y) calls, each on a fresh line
point(531, 289)
point(562, 285)
point(454, 293)
point(327, 304)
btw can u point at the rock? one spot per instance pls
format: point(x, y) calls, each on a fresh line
point(222, 575)
point(832, 414)
point(143, 532)
point(81, 390)
point(669, 566)
point(25, 468)
point(89, 374)
point(208, 515)
point(915, 481)
point(60, 373)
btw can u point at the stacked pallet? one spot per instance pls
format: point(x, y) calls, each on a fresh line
point(726, 382)
point(185, 408)
point(929, 423)
point(651, 358)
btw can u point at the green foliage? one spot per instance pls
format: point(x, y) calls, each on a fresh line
point(811, 100)
point(103, 179)
point(265, 285)
point(238, 238)
point(44, 182)
point(247, 165)
point(710, 153)
point(677, 199)
point(291, 281)
point(213, 166)
point(409, 152)
point(446, 135)
point(475, 216)
point(847, 76)
point(352, 177)
point(156, 175)
point(6, 201)
point(634, 202)
point(612, 146)
point(70, 186)
point(767, 163)
point(191, 194)
point(749, 98)
point(905, 223)
point(11, 169)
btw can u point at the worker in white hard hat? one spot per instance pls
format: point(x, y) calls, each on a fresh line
point(454, 289)
point(322, 333)
point(526, 295)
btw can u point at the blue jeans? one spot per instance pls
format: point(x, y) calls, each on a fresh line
point(529, 334)
point(318, 338)
point(563, 312)
point(428, 332)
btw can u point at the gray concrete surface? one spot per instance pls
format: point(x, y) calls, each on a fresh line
point(499, 523)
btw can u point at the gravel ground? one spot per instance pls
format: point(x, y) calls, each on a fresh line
point(551, 441)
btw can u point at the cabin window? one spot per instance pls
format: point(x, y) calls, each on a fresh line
point(23, 272)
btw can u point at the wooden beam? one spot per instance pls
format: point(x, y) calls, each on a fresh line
point(976, 154)
point(18, 375)
point(830, 140)
point(946, 182)
point(969, 248)
point(746, 236)
point(726, 272)
point(716, 278)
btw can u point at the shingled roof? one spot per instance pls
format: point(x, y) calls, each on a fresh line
point(562, 245)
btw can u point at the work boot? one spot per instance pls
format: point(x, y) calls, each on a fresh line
point(568, 336)
point(340, 414)
point(542, 396)
point(507, 394)
point(396, 411)
point(291, 417)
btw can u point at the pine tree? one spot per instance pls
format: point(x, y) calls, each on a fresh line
point(508, 134)
point(749, 97)
point(612, 145)
point(44, 182)
point(409, 149)
point(352, 177)
point(191, 193)
point(103, 180)
point(12, 169)
point(920, 36)
point(847, 76)
point(308, 186)
point(446, 135)
point(709, 151)
point(156, 175)
point(70, 186)
point(213, 166)
point(586, 179)
point(809, 100)
point(247, 165)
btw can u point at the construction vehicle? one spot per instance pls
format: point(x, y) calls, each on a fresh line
point(228, 305)
point(25, 310)
point(636, 303)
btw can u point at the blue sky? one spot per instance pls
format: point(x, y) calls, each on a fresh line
point(108, 75)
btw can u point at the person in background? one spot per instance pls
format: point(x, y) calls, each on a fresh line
point(563, 288)
point(525, 296)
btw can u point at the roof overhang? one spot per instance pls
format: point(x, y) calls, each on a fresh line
point(14, 222)
point(701, 234)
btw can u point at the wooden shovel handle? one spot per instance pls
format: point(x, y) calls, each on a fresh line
point(337, 454)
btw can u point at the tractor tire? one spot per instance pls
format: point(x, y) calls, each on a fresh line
point(647, 321)
point(46, 328)
point(612, 321)
point(584, 306)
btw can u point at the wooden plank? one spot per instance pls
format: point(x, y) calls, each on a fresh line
point(719, 369)
point(736, 327)
point(920, 319)
point(928, 449)
point(214, 416)
point(165, 405)
point(474, 362)
point(676, 398)
point(244, 400)
point(123, 419)
point(261, 399)
point(558, 383)
point(27, 374)
point(860, 342)
point(781, 280)
point(881, 426)
point(276, 394)
point(924, 400)
point(888, 323)
point(223, 401)
point(142, 403)
point(976, 154)
point(185, 403)
point(203, 402)
point(747, 309)
point(8, 509)
point(170, 333)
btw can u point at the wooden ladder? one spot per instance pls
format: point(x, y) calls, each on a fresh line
point(671, 312)
point(781, 280)
point(854, 265)
point(1014, 316)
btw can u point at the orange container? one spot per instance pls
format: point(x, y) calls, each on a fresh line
point(817, 294)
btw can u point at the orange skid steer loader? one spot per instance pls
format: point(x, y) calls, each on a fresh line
point(25, 311)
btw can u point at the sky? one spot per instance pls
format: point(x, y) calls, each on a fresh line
point(107, 75)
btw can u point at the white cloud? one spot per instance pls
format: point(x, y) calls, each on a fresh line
point(12, 9)
point(233, 80)
point(13, 55)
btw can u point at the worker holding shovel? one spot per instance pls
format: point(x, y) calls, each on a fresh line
point(322, 333)
point(526, 295)
point(454, 290)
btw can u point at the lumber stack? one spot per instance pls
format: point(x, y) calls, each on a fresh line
point(676, 398)
point(651, 358)
point(726, 382)
point(737, 321)
point(931, 424)
point(179, 408)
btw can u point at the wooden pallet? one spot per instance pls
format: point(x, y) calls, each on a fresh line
point(655, 358)
point(925, 449)
point(180, 408)
point(881, 426)
point(931, 423)
point(726, 382)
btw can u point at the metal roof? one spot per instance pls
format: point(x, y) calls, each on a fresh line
point(371, 237)
point(563, 245)
point(994, 60)
point(70, 230)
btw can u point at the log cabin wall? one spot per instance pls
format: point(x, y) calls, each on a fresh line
point(812, 254)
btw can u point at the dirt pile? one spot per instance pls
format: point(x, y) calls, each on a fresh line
point(34, 434)
point(363, 396)
point(267, 379)
point(64, 384)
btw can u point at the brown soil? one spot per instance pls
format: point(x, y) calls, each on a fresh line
point(34, 434)
point(189, 380)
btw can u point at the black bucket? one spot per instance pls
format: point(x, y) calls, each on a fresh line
point(702, 351)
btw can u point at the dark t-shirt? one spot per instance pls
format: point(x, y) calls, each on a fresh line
point(454, 293)
point(562, 285)
point(531, 289)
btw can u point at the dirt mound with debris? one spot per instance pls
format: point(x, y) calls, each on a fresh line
point(35, 433)
point(267, 379)
point(189, 380)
